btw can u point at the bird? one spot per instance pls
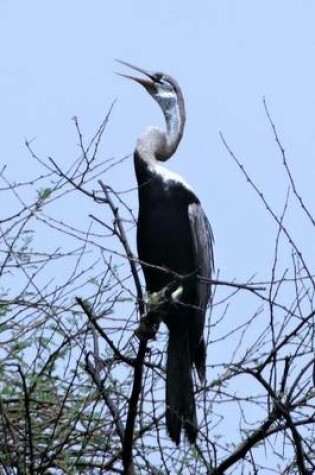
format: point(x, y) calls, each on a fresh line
point(175, 245)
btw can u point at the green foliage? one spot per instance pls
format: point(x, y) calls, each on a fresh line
point(43, 194)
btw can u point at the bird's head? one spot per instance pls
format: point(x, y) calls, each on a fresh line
point(167, 93)
point(162, 87)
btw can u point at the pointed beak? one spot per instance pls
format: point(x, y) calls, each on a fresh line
point(148, 83)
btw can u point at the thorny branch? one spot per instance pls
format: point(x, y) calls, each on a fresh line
point(139, 361)
point(90, 396)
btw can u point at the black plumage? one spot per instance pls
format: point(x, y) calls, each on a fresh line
point(174, 239)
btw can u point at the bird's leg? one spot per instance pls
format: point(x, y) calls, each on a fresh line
point(158, 304)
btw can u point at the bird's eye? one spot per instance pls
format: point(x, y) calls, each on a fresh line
point(159, 77)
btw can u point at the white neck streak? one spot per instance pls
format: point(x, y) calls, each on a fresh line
point(174, 127)
point(155, 145)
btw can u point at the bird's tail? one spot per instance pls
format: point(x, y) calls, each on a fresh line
point(180, 401)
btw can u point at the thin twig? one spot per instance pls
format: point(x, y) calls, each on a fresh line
point(286, 164)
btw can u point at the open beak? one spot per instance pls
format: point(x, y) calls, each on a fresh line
point(148, 84)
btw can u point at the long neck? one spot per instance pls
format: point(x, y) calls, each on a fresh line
point(175, 122)
point(155, 144)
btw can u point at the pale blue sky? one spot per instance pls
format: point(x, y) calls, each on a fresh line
point(57, 60)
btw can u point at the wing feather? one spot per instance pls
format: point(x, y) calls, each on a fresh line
point(202, 237)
